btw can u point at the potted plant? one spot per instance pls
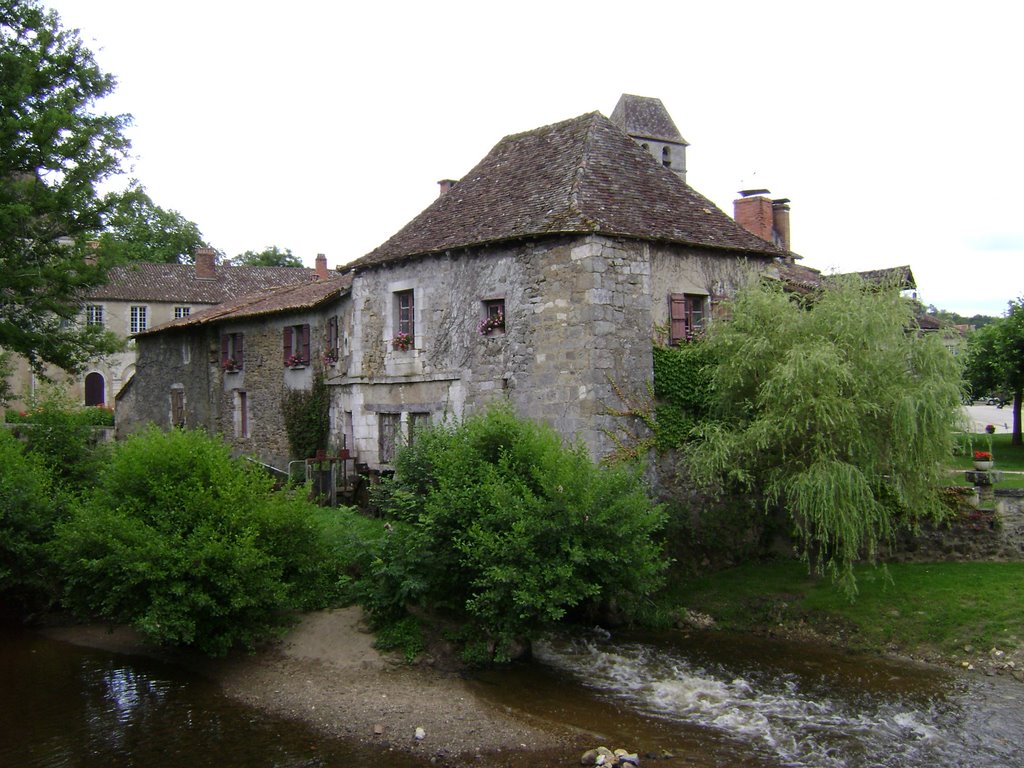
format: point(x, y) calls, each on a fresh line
point(495, 322)
point(230, 365)
point(294, 361)
point(330, 357)
point(983, 460)
point(403, 342)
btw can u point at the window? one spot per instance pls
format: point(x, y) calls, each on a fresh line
point(406, 314)
point(331, 350)
point(180, 312)
point(418, 421)
point(686, 316)
point(232, 351)
point(177, 407)
point(94, 314)
point(241, 414)
point(666, 157)
point(296, 345)
point(494, 317)
point(388, 433)
point(139, 319)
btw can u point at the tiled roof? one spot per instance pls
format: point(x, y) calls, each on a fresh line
point(178, 282)
point(801, 279)
point(287, 298)
point(644, 117)
point(580, 176)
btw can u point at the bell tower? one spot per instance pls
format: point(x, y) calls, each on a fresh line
point(648, 123)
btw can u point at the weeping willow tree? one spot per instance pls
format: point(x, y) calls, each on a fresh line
point(834, 408)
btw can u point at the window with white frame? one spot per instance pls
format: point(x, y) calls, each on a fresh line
point(94, 314)
point(139, 319)
point(405, 320)
point(180, 312)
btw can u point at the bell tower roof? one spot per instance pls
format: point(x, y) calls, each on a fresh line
point(643, 117)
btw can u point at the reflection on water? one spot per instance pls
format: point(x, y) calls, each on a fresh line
point(61, 705)
point(791, 705)
point(713, 701)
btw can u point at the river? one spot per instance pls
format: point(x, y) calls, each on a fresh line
point(705, 699)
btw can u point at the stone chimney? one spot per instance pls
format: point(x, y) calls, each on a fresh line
point(321, 267)
point(205, 264)
point(445, 186)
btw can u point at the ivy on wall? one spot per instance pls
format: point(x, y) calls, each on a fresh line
point(682, 390)
point(307, 417)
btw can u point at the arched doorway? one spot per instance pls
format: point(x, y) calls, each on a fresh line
point(95, 389)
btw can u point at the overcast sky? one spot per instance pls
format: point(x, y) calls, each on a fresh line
point(894, 128)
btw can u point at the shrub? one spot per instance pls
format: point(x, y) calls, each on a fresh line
point(28, 513)
point(60, 434)
point(192, 547)
point(502, 527)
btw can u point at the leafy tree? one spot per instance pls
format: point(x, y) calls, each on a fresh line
point(272, 256)
point(192, 547)
point(28, 512)
point(137, 229)
point(995, 360)
point(501, 527)
point(54, 151)
point(838, 412)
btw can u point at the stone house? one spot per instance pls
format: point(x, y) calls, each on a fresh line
point(226, 369)
point(143, 295)
point(542, 277)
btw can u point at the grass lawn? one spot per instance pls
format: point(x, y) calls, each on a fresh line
point(1009, 458)
point(916, 607)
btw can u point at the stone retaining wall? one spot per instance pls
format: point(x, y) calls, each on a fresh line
point(975, 535)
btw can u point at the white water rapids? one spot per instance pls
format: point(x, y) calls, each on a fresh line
point(800, 714)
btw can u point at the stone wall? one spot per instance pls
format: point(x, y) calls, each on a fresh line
point(580, 317)
point(973, 535)
point(189, 361)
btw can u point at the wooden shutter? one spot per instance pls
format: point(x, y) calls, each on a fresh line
point(224, 349)
point(287, 342)
point(304, 353)
point(239, 351)
point(677, 318)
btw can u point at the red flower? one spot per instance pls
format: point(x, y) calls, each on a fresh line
point(982, 456)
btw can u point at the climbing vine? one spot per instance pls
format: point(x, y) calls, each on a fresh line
point(307, 417)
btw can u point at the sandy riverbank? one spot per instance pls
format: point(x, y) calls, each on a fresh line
point(326, 672)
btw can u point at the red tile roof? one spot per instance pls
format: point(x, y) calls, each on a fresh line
point(178, 282)
point(580, 176)
point(287, 298)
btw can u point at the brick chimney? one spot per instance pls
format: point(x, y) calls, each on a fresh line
point(764, 217)
point(205, 264)
point(780, 222)
point(753, 211)
point(445, 186)
point(321, 267)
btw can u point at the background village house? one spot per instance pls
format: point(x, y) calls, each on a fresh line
point(139, 296)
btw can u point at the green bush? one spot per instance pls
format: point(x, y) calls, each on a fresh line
point(192, 547)
point(61, 434)
point(500, 526)
point(28, 512)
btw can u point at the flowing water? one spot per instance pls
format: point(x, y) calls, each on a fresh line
point(710, 700)
point(743, 701)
